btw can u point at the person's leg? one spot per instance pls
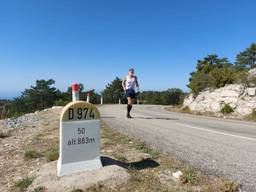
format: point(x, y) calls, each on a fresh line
point(129, 106)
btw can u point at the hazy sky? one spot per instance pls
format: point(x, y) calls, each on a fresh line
point(93, 41)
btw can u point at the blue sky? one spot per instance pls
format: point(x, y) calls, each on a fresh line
point(93, 41)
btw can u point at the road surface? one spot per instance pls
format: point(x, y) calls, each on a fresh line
point(215, 146)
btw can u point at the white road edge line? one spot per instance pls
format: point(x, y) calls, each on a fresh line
point(217, 132)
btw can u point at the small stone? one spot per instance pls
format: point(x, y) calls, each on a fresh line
point(177, 175)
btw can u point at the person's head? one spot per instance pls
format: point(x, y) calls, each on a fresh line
point(131, 72)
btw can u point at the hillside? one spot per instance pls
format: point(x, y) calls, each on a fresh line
point(238, 100)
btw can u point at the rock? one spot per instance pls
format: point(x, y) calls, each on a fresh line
point(188, 100)
point(109, 176)
point(251, 91)
point(240, 98)
point(252, 74)
point(57, 107)
point(21, 121)
point(177, 175)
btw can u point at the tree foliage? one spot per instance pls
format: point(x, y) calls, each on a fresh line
point(215, 72)
point(44, 95)
point(247, 58)
point(172, 96)
point(37, 97)
point(212, 72)
point(113, 92)
point(212, 62)
point(94, 97)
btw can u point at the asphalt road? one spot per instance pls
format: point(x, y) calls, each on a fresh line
point(215, 146)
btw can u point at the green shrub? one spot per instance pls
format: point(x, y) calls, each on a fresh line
point(252, 116)
point(226, 109)
point(145, 149)
point(211, 72)
point(32, 153)
point(214, 72)
point(186, 109)
point(24, 183)
point(190, 175)
point(52, 154)
point(60, 102)
point(40, 189)
point(37, 97)
point(254, 112)
point(162, 188)
point(172, 96)
point(77, 190)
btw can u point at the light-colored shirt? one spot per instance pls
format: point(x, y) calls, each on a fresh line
point(130, 83)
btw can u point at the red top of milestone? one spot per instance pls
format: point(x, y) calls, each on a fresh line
point(75, 87)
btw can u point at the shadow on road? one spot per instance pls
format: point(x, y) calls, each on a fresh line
point(163, 118)
point(139, 165)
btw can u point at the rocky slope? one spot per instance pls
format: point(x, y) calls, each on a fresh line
point(241, 98)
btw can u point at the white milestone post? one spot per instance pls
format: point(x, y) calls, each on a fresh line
point(101, 100)
point(75, 92)
point(79, 137)
point(88, 97)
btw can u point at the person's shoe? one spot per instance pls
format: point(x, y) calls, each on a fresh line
point(129, 116)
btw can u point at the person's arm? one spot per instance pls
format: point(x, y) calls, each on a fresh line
point(137, 84)
point(123, 83)
point(136, 81)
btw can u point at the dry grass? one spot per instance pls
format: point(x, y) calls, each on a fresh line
point(180, 109)
point(40, 189)
point(24, 183)
point(185, 110)
point(51, 154)
point(32, 153)
point(154, 154)
point(5, 133)
point(224, 114)
point(251, 117)
point(152, 171)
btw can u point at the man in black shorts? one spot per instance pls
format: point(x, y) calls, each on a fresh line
point(130, 83)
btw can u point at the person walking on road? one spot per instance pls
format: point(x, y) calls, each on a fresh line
point(130, 83)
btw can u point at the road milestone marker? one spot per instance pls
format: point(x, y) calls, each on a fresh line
point(79, 137)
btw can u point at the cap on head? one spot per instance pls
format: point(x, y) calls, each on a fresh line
point(131, 70)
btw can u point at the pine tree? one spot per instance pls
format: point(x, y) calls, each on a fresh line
point(247, 58)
